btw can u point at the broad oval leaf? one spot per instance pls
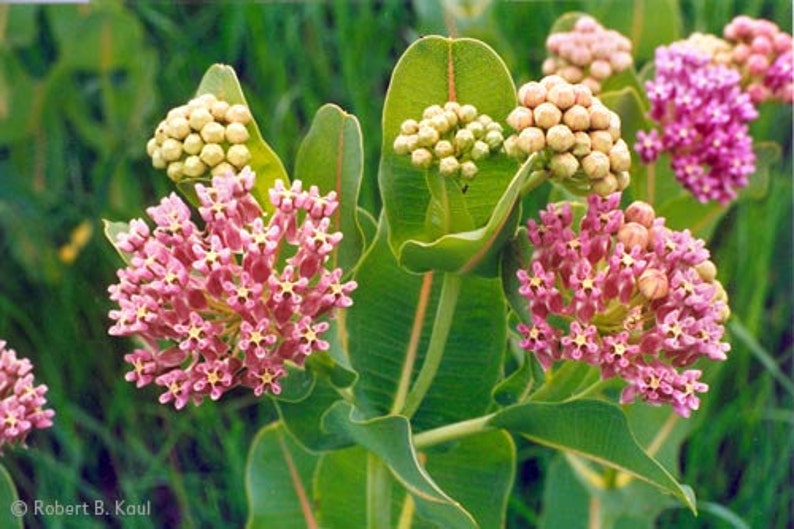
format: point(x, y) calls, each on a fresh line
point(277, 482)
point(593, 429)
point(332, 158)
point(421, 205)
point(8, 497)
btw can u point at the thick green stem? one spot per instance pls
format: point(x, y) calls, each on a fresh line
point(452, 432)
point(445, 313)
point(378, 493)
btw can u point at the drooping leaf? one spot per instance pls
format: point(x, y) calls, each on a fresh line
point(331, 157)
point(278, 482)
point(390, 439)
point(10, 517)
point(592, 429)
point(422, 205)
point(221, 80)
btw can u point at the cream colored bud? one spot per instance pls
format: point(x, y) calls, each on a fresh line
point(572, 74)
point(605, 186)
point(624, 179)
point(206, 100)
point(222, 169)
point(520, 118)
point(596, 165)
point(614, 126)
point(449, 166)
point(451, 117)
point(468, 169)
point(151, 146)
point(157, 159)
point(633, 234)
point(174, 171)
point(584, 96)
point(219, 110)
point(493, 126)
point(401, 145)
point(577, 118)
point(549, 66)
point(464, 140)
point(452, 106)
point(432, 111)
point(532, 94)
point(181, 111)
point(619, 157)
point(476, 128)
point(592, 84)
point(581, 146)
point(707, 271)
point(199, 117)
point(653, 284)
point(485, 120)
point(601, 140)
point(494, 139)
point(413, 142)
point(422, 158)
point(193, 167)
point(564, 165)
point(427, 136)
point(239, 114)
point(236, 133)
point(600, 69)
point(531, 139)
point(171, 150)
point(238, 155)
point(547, 115)
point(444, 148)
point(561, 95)
point(560, 138)
point(467, 113)
point(550, 81)
point(177, 127)
point(480, 150)
point(193, 143)
point(511, 147)
point(160, 133)
point(213, 132)
point(212, 154)
point(641, 213)
point(600, 116)
point(440, 123)
point(409, 126)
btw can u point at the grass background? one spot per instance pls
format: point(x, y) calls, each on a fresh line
point(81, 90)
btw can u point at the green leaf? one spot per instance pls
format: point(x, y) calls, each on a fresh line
point(19, 24)
point(221, 81)
point(389, 328)
point(422, 206)
point(390, 438)
point(277, 478)
point(514, 388)
point(8, 498)
point(595, 430)
point(112, 231)
point(331, 157)
point(340, 489)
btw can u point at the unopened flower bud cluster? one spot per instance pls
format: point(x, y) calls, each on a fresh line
point(763, 55)
point(580, 136)
point(207, 135)
point(454, 137)
point(587, 54)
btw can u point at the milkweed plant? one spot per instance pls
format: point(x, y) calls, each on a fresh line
point(407, 351)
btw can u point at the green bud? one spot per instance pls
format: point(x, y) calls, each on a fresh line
point(236, 133)
point(199, 117)
point(476, 128)
point(238, 155)
point(494, 139)
point(171, 150)
point(464, 140)
point(485, 120)
point(707, 271)
point(238, 114)
point(193, 167)
point(212, 154)
point(193, 143)
point(480, 150)
point(563, 165)
point(213, 132)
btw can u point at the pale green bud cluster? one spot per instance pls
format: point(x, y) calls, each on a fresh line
point(578, 136)
point(205, 135)
point(454, 137)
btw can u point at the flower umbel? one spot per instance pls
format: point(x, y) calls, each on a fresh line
point(21, 402)
point(703, 115)
point(227, 305)
point(627, 294)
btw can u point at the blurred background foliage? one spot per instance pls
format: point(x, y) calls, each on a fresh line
point(82, 88)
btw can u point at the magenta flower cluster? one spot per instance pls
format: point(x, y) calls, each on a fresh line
point(21, 402)
point(763, 54)
point(229, 304)
point(627, 294)
point(703, 115)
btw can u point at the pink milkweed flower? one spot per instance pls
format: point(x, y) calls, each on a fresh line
point(625, 293)
point(21, 402)
point(227, 304)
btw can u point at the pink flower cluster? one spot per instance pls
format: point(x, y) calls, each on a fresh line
point(703, 114)
point(227, 305)
point(587, 54)
point(21, 403)
point(763, 53)
point(626, 294)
